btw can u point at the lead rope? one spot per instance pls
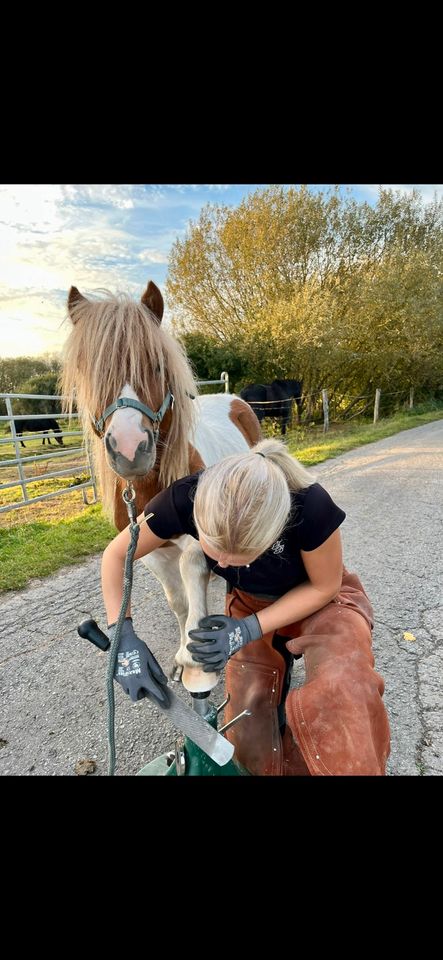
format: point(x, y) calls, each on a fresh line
point(134, 529)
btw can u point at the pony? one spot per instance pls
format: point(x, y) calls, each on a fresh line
point(36, 426)
point(274, 399)
point(138, 401)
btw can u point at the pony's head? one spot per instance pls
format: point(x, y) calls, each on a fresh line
point(132, 385)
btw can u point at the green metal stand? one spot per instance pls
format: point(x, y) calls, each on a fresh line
point(191, 761)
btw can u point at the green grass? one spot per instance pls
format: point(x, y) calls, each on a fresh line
point(39, 549)
point(313, 446)
point(37, 541)
point(39, 488)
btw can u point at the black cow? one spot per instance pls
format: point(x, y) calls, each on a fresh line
point(274, 399)
point(36, 426)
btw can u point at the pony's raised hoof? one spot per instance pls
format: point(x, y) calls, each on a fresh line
point(196, 681)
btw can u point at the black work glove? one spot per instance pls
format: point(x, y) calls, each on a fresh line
point(136, 669)
point(220, 637)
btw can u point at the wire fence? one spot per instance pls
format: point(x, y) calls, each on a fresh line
point(325, 406)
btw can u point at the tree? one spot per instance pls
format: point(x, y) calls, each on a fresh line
point(209, 358)
point(318, 287)
point(42, 383)
point(236, 263)
point(16, 370)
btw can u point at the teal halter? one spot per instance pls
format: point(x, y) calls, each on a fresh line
point(127, 402)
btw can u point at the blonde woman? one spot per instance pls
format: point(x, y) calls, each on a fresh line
point(273, 535)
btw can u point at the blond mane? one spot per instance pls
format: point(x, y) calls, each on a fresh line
point(114, 341)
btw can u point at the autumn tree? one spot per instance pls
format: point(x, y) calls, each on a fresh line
point(320, 287)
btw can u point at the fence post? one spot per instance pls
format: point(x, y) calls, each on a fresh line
point(411, 397)
point(324, 396)
point(225, 376)
point(91, 471)
point(308, 411)
point(18, 455)
point(377, 404)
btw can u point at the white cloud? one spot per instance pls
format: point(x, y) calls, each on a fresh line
point(123, 196)
point(31, 206)
point(152, 256)
point(60, 259)
point(183, 187)
point(30, 326)
point(151, 196)
point(46, 244)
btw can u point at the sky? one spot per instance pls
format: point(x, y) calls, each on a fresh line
point(113, 236)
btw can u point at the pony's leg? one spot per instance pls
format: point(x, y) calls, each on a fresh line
point(195, 576)
point(181, 568)
point(164, 563)
point(285, 420)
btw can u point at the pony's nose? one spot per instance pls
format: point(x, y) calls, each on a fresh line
point(126, 465)
point(131, 444)
point(146, 448)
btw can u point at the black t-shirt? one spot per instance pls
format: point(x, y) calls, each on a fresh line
point(314, 517)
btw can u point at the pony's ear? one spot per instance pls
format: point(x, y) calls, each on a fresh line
point(153, 299)
point(74, 299)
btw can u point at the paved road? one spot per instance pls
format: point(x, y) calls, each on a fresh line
point(53, 709)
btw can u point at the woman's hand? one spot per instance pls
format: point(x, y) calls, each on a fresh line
point(136, 669)
point(220, 637)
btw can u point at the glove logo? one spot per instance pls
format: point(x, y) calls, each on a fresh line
point(235, 640)
point(128, 663)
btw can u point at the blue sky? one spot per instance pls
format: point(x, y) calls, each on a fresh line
point(115, 236)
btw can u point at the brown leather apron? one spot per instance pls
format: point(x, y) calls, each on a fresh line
point(336, 723)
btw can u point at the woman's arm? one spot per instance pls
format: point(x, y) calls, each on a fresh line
point(113, 564)
point(218, 638)
point(324, 567)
